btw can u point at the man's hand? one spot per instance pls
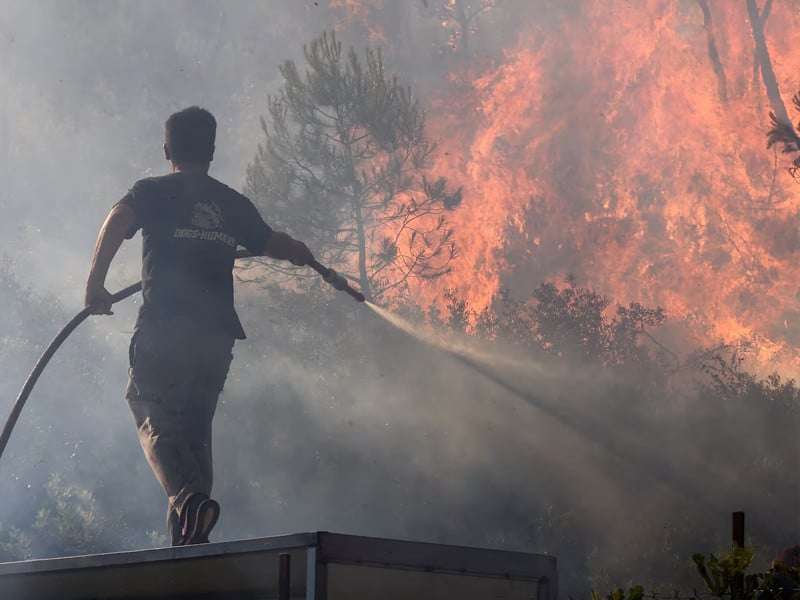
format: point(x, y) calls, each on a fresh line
point(112, 233)
point(284, 247)
point(100, 299)
point(300, 254)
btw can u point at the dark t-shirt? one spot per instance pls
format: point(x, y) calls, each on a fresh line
point(191, 225)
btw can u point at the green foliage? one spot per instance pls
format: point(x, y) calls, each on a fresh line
point(14, 544)
point(719, 574)
point(567, 321)
point(572, 321)
point(26, 315)
point(67, 522)
point(721, 577)
point(728, 378)
point(344, 165)
point(746, 403)
point(634, 593)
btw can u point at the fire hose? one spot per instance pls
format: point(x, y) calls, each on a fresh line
point(328, 275)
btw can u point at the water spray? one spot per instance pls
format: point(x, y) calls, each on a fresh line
point(328, 275)
point(491, 367)
point(461, 351)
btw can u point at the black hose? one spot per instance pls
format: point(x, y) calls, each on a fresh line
point(45, 358)
point(336, 280)
point(328, 275)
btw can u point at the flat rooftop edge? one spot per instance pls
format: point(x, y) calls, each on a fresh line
point(248, 568)
point(152, 555)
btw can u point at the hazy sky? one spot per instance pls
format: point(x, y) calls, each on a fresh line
point(86, 89)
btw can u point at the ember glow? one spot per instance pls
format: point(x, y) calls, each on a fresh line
point(607, 145)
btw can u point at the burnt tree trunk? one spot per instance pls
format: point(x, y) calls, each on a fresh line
point(713, 53)
point(463, 23)
point(763, 60)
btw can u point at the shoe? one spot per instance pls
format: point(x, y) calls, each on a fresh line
point(174, 527)
point(201, 514)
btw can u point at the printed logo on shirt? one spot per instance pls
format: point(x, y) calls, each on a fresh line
point(207, 215)
point(208, 236)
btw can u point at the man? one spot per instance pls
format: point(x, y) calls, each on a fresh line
point(181, 348)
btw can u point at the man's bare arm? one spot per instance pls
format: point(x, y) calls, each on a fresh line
point(282, 246)
point(112, 233)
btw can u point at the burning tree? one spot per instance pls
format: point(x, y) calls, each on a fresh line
point(461, 16)
point(783, 134)
point(345, 164)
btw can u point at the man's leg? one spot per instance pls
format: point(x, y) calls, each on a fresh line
point(163, 374)
point(166, 448)
point(207, 387)
point(203, 512)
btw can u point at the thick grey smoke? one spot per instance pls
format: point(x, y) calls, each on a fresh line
point(378, 434)
point(87, 87)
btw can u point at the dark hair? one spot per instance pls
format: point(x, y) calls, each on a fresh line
point(190, 135)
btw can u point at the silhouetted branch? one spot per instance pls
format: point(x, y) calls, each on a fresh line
point(713, 53)
point(764, 61)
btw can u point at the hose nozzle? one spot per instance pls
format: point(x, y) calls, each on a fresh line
point(336, 280)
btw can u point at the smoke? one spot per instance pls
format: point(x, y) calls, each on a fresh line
point(87, 87)
point(580, 410)
point(332, 418)
point(405, 432)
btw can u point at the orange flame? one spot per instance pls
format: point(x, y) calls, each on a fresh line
point(603, 147)
point(351, 12)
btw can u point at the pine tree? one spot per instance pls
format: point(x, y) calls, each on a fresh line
point(345, 165)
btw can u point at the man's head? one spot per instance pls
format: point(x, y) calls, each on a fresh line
point(190, 135)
